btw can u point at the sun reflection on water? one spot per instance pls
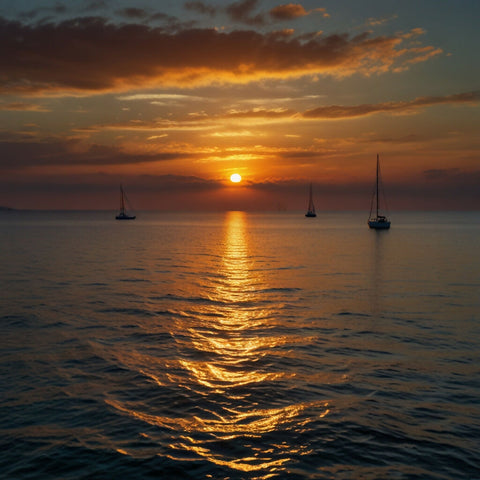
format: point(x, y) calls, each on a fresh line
point(227, 362)
point(240, 333)
point(236, 334)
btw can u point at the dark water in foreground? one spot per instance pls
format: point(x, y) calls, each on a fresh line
point(239, 346)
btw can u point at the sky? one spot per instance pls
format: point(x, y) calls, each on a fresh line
point(171, 97)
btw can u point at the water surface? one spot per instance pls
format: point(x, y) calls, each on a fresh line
point(240, 346)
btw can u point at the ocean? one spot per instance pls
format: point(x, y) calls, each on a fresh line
point(239, 346)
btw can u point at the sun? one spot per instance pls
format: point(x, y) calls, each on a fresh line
point(235, 178)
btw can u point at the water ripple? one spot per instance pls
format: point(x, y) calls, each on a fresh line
point(237, 347)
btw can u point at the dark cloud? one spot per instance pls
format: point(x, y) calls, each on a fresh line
point(92, 54)
point(243, 12)
point(351, 111)
point(23, 107)
point(283, 34)
point(354, 111)
point(176, 182)
point(133, 13)
point(93, 5)
point(288, 12)
point(170, 23)
point(18, 151)
point(202, 8)
point(58, 9)
point(62, 9)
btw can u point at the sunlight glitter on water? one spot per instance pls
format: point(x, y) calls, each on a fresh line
point(228, 330)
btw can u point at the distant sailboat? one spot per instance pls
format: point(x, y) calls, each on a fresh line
point(123, 213)
point(311, 206)
point(378, 222)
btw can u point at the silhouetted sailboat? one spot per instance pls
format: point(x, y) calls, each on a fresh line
point(311, 206)
point(123, 213)
point(379, 222)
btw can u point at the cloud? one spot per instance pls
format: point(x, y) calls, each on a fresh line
point(203, 121)
point(156, 137)
point(283, 34)
point(292, 11)
point(237, 133)
point(133, 13)
point(373, 22)
point(415, 32)
point(242, 12)
point(23, 107)
point(196, 121)
point(58, 9)
point(94, 5)
point(260, 113)
point(423, 54)
point(408, 107)
point(161, 96)
point(18, 151)
point(288, 12)
point(94, 55)
point(202, 8)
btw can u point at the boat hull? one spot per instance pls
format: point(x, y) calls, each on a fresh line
point(310, 214)
point(379, 225)
point(125, 217)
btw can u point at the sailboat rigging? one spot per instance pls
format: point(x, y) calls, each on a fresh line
point(311, 206)
point(123, 215)
point(378, 222)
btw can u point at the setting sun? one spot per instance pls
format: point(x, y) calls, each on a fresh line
point(235, 178)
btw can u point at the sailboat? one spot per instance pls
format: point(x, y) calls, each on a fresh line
point(311, 206)
point(123, 215)
point(378, 222)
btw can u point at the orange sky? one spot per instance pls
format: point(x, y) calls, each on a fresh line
point(170, 101)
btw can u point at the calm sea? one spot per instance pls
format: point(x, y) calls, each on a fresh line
point(239, 346)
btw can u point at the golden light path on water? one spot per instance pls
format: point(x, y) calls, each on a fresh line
point(231, 334)
point(235, 343)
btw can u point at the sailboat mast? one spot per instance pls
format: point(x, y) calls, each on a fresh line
point(311, 206)
point(122, 201)
point(377, 185)
point(379, 222)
